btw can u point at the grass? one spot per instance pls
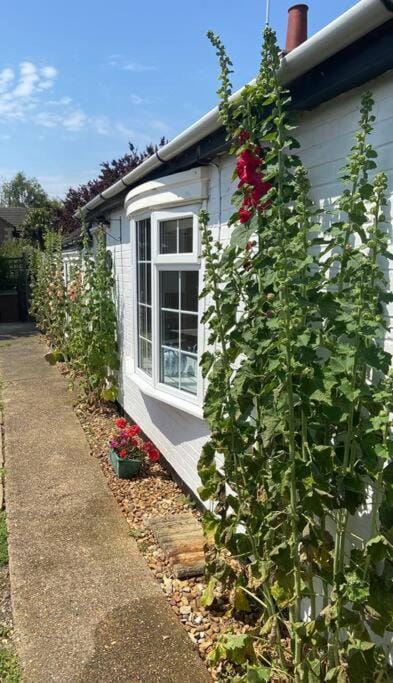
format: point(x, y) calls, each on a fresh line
point(3, 542)
point(135, 533)
point(9, 667)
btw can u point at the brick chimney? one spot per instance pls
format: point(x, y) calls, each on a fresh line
point(297, 27)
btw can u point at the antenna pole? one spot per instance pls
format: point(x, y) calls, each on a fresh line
point(267, 12)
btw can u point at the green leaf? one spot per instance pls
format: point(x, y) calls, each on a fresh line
point(208, 595)
point(259, 674)
point(240, 600)
point(239, 648)
point(110, 394)
point(241, 235)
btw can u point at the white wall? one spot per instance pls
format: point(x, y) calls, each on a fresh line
point(326, 136)
point(178, 435)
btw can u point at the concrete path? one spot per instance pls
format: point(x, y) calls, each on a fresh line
point(86, 607)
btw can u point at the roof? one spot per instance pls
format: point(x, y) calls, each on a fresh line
point(348, 52)
point(13, 215)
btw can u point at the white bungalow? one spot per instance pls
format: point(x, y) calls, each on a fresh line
point(152, 220)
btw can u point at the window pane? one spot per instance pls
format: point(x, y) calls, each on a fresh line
point(144, 361)
point(144, 242)
point(185, 236)
point(189, 290)
point(145, 321)
point(188, 373)
point(170, 329)
point(170, 367)
point(169, 289)
point(168, 237)
point(189, 333)
point(144, 283)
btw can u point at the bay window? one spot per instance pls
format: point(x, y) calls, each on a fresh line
point(167, 304)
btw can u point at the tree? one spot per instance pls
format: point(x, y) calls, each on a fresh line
point(110, 172)
point(22, 191)
point(40, 219)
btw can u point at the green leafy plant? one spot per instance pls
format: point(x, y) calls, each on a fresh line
point(48, 304)
point(80, 320)
point(299, 396)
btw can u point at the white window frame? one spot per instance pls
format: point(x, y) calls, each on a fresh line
point(161, 262)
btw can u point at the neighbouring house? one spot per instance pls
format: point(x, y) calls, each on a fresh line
point(11, 221)
point(151, 218)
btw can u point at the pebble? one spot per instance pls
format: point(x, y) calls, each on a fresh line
point(185, 610)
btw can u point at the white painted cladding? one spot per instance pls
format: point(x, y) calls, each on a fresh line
point(326, 135)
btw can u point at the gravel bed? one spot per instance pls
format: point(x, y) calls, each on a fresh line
point(153, 492)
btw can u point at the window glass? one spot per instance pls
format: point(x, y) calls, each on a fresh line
point(176, 236)
point(179, 329)
point(185, 235)
point(169, 289)
point(189, 290)
point(188, 373)
point(143, 252)
point(168, 237)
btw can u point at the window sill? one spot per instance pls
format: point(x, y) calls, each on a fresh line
point(187, 407)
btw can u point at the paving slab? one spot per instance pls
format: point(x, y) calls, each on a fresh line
point(86, 606)
point(181, 538)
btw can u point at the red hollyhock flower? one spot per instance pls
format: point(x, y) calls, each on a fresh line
point(244, 135)
point(246, 166)
point(122, 453)
point(244, 215)
point(250, 244)
point(261, 188)
point(121, 422)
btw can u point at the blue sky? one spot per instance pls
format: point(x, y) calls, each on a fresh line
point(78, 79)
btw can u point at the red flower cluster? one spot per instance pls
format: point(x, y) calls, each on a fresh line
point(151, 451)
point(248, 170)
point(128, 444)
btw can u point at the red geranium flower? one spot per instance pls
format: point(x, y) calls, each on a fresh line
point(121, 422)
point(122, 453)
point(133, 431)
point(154, 455)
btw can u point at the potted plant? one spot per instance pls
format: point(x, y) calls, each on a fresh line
point(127, 448)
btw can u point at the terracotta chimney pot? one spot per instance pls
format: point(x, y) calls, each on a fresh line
point(297, 26)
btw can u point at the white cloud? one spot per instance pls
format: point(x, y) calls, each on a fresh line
point(19, 94)
point(138, 68)
point(135, 99)
point(46, 119)
point(101, 125)
point(61, 102)
point(75, 120)
point(160, 126)
point(6, 77)
point(24, 97)
point(49, 72)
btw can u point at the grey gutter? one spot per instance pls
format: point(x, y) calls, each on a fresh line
point(359, 20)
